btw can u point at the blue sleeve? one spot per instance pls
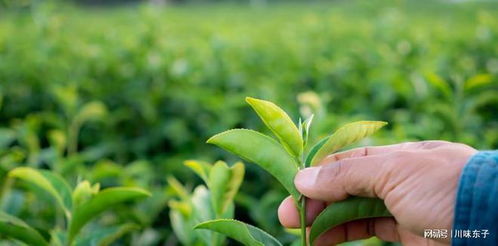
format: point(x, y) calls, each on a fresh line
point(476, 209)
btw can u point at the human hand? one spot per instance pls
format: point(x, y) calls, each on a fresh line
point(417, 181)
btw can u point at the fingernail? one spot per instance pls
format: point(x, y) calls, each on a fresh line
point(306, 178)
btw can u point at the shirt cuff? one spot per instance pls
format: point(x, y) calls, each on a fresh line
point(476, 209)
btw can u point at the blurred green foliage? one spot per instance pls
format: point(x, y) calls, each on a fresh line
point(121, 96)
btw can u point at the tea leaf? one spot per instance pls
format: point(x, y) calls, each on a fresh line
point(237, 230)
point(106, 235)
point(224, 182)
point(313, 151)
point(15, 228)
point(346, 135)
point(203, 210)
point(477, 81)
point(58, 139)
point(91, 111)
point(262, 150)
point(182, 207)
point(218, 181)
point(440, 84)
point(181, 227)
point(178, 188)
point(83, 191)
point(280, 124)
point(237, 176)
point(55, 185)
point(200, 168)
point(57, 237)
point(305, 132)
point(353, 208)
point(102, 201)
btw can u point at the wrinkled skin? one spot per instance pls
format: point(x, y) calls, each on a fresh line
point(417, 181)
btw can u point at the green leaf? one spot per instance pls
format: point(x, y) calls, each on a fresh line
point(314, 150)
point(478, 80)
point(242, 232)
point(224, 182)
point(91, 111)
point(15, 228)
point(203, 210)
point(353, 208)
point(58, 140)
point(237, 176)
point(305, 129)
point(102, 201)
point(181, 227)
point(200, 168)
point(178, 188)
point(440, 84)
point(84, 191)
point(55, 185)
point(106, 235)
point(262, 150)
point(346, 135)
point(280, 124)
point(201, 204)
point(57, 237)
point(181, 206)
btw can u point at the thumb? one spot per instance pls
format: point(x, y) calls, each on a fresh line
point(363, 176)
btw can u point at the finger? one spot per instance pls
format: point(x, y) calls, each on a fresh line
point(336, 181)
point(384, 228)
point(289, 216)
point(378, 150)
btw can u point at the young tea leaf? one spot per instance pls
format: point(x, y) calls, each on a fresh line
point(83, 191)
point(200, 168)
point(102, 201)
point(313, 151)
point(224, 182)
point(353, 208)
point(15, 228)
point(280, 124)
point(305, 132)
point(346, 135)
point(237, 230)
point(262, 150)
point(178, 188)
point(55, 185)
point(219, 177)
point(237, 176)
point(182, 207)
point(91, 111)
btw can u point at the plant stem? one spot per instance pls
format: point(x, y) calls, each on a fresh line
point(302, 209)
point(72, 147)
point(302, 216)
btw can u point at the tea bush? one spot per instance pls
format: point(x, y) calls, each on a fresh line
point(122, 96)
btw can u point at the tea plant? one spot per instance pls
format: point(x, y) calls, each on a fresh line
point(205, 203)
point(77, 206)
point(283, 159)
